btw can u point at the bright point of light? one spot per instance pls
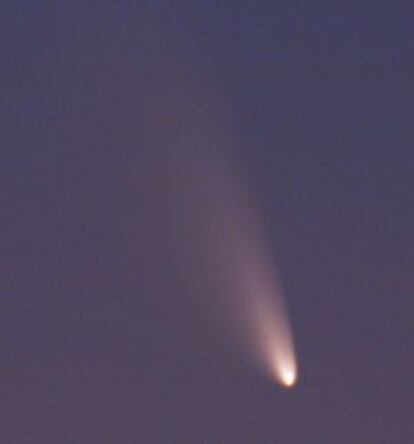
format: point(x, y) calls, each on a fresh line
point(287, 376)
point(283, 366)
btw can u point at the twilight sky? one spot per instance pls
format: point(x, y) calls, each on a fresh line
point(127, 134)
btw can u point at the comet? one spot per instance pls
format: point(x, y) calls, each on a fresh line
point(277, 348)
point(250, 285)
point(270, 330)
point(192, 123)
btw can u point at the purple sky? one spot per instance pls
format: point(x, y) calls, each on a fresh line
point(107, 116)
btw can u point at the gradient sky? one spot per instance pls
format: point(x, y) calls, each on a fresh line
point(107, 115)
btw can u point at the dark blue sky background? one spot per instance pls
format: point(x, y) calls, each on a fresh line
point(100, 338)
